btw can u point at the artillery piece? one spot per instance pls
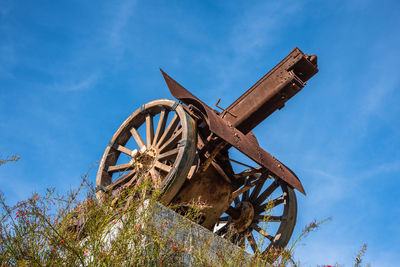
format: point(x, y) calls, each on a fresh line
point(187, 153)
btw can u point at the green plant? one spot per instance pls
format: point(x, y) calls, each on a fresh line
point(74, 229)
point(9, 159)
point(358, 259)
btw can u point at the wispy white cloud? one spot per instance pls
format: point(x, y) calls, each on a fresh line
point(381, 83)
point(376, 96)
point(74, 85)
point(255, 30)
point(339, 240)
point(85, 83)
point(121, 15)
point(387, 167)
point(331, 186)
point(260, 25)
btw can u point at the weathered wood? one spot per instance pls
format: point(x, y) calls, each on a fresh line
point(137, 138)
point(149, 129)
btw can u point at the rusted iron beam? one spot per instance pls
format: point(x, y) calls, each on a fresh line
point(271, 91)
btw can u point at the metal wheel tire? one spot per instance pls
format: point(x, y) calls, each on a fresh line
point(166, 155)
point(268, 209)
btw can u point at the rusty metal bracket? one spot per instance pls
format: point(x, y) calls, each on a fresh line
point(182, 143)
point(212, 156)
point(100, 188)
point(224, 110)
point(111, 144)
point(175, 105)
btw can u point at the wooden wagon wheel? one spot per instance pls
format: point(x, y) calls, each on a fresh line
point(165, 154)
point(263, 200)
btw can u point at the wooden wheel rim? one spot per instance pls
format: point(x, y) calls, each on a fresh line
point(287, 220)
point(186, 149)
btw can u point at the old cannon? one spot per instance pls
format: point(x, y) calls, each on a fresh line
point(186, 145)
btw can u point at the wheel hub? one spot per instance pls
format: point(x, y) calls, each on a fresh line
point(143, 159)
point(245, 218)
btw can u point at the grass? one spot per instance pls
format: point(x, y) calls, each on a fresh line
point(73, 229)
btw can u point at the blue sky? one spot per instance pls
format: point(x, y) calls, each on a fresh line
point(72, 71)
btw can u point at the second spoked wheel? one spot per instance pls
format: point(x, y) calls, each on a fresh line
point(263, 213)
point(157, 141)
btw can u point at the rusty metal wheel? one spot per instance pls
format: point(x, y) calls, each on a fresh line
point(165, 155)
point(262, 214)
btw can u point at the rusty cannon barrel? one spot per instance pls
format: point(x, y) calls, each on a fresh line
point(272, 91)
point(233, 126)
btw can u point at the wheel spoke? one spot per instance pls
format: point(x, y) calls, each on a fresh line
point(123, 150)
point(268, 218)
point(162, 166)
point(172, 141)
point(262, 232)
point(118, 168)
point(245, 195)
point(153, 173)
point(161, 125)
point(156, 174)
point(140, 180)
point(131, 181)
point(241, 163)
point(121, 180)
point(257, 188)
point(271, 204)
point(245, 173)
point(237, 201)
point(168, 155)
point(149, 129)
point(267, 193)
point(137, 138)
point(156, 177)
point(169, 131)
point(252, 242)
point(246, 187)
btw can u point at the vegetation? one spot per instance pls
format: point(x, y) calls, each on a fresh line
point(9, 159)
point(75, 230)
